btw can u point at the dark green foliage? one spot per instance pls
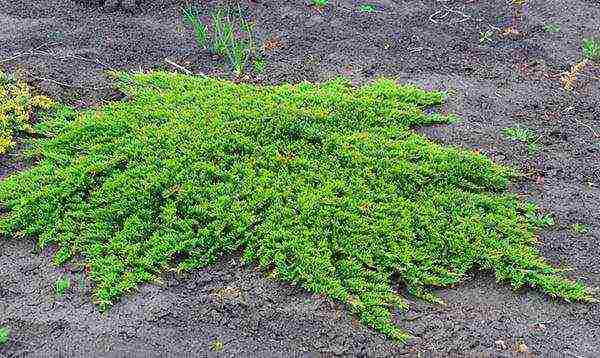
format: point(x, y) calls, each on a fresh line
point(325, 186)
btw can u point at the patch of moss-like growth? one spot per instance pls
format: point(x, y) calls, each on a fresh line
point(324, 186)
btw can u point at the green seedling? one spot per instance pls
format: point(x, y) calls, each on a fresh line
point(320, 3)
point(236, 46)
point(590, 53)
point(552, 28)
point(191, 15)
point(4, 335)
point(368, 8)
point(579, 228)
point(223, 32)
point(591, 49)
point(217, 345)
point(485, 36)
point(523, 135)
point(62, 285)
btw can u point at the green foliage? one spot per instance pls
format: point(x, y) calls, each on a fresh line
point(192, 17)
point(62, 285)
point(552, 28)
point(320, 3)
point(323, 186)
point(591, 49)
point(4, 335)
point(260, 65)
point(232, 35)
point(579, 228)
point(17, 107)
point(233, 38)
point(366, 7)
point(223, 32)
point(523, 135)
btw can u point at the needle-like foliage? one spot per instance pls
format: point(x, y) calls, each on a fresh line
point(324, 186)
point(17, 105)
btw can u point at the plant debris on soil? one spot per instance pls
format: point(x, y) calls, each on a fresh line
point(323, 185)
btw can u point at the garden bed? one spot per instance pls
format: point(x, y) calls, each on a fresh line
point(495, 85)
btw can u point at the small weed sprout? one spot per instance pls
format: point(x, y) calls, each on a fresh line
point(523, 135)
point(590, 49)
point(4, 335)
point(552, 28)
point(217, 345)
point(320, 3)
point(520, 134)
point(368, 8)
point(231, 40)
point(579, 228)
point(485, 37)
point(62, 285)
point(223, 32)
point(192, 17)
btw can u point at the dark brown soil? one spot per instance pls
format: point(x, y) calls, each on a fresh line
point(503, 83)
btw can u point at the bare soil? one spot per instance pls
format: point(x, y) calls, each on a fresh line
point(509, 81)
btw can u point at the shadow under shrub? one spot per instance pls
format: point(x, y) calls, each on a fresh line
point(323, 185)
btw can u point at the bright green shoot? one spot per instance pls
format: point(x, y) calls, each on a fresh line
point(62, 285)
point(591, 49)
point(369, 8)
point(523, 135)
point(4, 335)
point(320, 3)
point(192, 17)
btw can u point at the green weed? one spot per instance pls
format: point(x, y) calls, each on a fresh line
point(523, 135)
point(368, 8)
point(485, 37)
point(217, 345)
point(233, 39)
point(320, 3)
point(4, 335)
point(232, 36)
point(62, 285)
point(552, 28)
point(579, 228)
point(191, 15)
point(323, 186)
point(591, 49)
